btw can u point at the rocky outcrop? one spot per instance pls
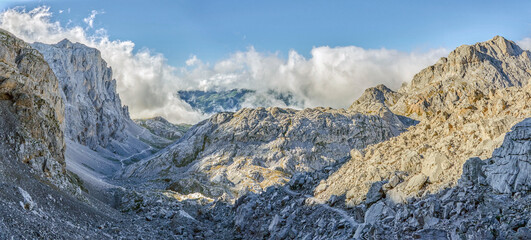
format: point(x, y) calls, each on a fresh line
point(162, 128)
point(32, 112)
point(232, 153)
point(465, 104)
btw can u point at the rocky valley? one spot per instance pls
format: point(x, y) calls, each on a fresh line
point(446, 156)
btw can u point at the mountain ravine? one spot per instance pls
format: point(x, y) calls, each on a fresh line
point(446, 156)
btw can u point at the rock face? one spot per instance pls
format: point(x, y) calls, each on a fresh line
point(465, 103)
point(252, 149)
point(94, 111)
point(32, 111)
point(36, 192)
point(99, 134)
point(509, 169)
point(162, 128)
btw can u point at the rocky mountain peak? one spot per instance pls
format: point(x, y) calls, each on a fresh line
point(497, 48)
point(375, 98)
point(380, 93)
point(500, 45)
point(496, 63)
point(65, 43)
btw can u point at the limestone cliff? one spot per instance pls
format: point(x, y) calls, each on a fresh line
point(93, 108)
point(94, 113)
point(32, 111)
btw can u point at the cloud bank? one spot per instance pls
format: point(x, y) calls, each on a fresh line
point(525, 43)
point(331, 76)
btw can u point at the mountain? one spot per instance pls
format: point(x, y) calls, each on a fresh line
point(40, 198)
point(211, 102)
point(465, 104)
point(232, 153)
point(99, 134)
point(95, 115)
point(447, 156)
point(214, 101)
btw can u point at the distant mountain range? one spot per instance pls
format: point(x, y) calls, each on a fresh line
point(232, 100)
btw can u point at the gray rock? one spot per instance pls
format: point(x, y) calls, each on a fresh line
point(271, 143)
point(375, 193)
point(509, 169)
point(472, 172)
point(377, 212)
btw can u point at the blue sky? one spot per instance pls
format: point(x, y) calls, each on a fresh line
point(214, 29)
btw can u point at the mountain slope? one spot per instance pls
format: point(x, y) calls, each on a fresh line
point(100, 136)
point(465, 103)
point(232, 153)
point(474, 209)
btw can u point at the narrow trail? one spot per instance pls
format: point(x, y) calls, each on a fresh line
point(323, 204)
point(122, 161)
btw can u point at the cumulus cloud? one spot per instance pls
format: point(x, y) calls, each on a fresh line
point(331, 76)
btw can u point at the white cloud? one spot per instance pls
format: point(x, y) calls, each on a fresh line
point(192, 61)
point(330, 77)
point(90, 19)
point(525, 43)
